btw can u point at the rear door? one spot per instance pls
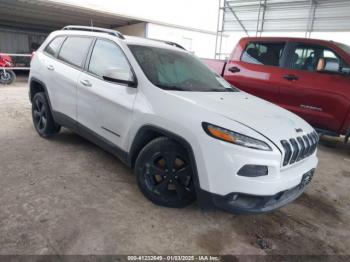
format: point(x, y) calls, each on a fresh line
point(258, 70)
point(105, 107)
point(317, 96)
point(64, 72)
point(48, 73)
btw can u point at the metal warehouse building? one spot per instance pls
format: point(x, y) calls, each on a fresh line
point(24, 24)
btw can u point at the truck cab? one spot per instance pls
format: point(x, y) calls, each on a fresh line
point(308, 77)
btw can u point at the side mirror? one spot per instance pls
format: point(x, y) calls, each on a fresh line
point(120, 75)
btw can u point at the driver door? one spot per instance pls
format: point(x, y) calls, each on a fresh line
point(105, 107)
point(316, 96)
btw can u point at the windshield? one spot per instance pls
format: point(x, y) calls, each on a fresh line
point(175, 70)
point(345, 48)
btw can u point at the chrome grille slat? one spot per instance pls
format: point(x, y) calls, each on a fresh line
point(287, 151)
point(313, 146)
point(302, 148)
point(308, 145)
point(297, 149)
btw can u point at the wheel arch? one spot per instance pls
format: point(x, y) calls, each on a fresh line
point(149, 132)
point(35, 86)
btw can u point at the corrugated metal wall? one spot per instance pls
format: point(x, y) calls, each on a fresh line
point(288, 15)
point(19, 41)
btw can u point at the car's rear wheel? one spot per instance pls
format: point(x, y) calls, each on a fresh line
point(164, 173)
point(42, 117)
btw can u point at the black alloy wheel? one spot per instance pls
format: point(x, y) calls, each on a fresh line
point(39, 115)
point(165, 174)
point(42, 117)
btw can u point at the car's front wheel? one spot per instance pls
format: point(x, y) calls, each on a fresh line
point(164, 173)
point(42, 117)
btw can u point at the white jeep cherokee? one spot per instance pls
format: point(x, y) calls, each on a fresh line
point(186, 132)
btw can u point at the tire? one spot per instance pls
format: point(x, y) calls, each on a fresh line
point(42, 116)
point(7, 77)
point(164, 173)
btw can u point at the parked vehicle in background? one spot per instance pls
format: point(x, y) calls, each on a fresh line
point(7, 76)
point(309, 77)
point(187, 133)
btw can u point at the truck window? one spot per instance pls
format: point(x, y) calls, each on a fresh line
point(306, 57)
point(263, 53)
point(74, 50)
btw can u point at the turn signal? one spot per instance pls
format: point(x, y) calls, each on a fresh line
point(221, 134)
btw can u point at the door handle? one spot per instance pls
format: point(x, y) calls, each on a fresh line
point(50, 67)
point(234, 69)
point(85, 83)
point(290, 77)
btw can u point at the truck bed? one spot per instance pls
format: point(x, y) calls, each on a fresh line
point(216, 65)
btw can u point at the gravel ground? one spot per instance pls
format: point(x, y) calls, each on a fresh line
point(67, 196)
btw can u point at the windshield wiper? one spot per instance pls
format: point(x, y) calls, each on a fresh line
point(169, 87)
point(221, 90)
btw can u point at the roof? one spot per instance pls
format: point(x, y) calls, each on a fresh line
point(286, 15)
point(286, 39)
point(152, 42)
point(47, 16)
point(108, 33)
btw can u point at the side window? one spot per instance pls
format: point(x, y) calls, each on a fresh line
point(263, 53)
point(315, 58)
point(74, 50)
point(54, 45)
point(107, 56)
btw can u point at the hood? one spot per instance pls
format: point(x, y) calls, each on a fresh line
point(270, 120)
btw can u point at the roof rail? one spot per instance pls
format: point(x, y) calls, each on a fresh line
point(94, 29)
point(168, 43)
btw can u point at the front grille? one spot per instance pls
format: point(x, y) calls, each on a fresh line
point(296, 149)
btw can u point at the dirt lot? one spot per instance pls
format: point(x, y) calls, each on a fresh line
point(67, 196)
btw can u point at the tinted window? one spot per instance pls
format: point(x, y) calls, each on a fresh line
point(54, 45)
point(306, 57)
point(74, 50)
point(177, 70)
point(107, 55)
point(263, 53)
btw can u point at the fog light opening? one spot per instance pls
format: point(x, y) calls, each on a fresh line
point(253, 171)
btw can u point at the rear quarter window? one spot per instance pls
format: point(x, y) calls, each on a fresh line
point(263, 53)
point(74, 50)
point(53, 47)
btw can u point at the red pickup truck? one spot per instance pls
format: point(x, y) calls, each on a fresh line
point(306, 76)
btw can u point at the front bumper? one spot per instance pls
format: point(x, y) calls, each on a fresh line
point(240, 203)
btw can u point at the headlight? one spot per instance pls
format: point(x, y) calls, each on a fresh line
point(234, 137)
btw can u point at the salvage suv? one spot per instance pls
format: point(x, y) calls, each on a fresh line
point(186, 132)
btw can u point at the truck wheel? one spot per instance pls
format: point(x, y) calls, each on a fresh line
point(42, 117)
point(7, 77)
point(164, 173)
